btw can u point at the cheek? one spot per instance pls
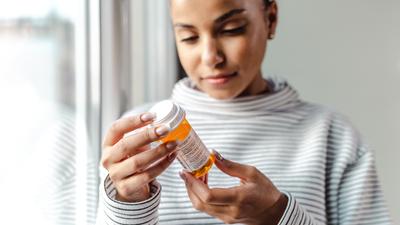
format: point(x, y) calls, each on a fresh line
point(246, 52)
point(187, 59)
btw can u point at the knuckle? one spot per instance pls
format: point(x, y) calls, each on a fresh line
point(252, 171)
point(105, 161)
point(136, 164)
point(134, 120)
point(123, 145)
point(113, 176)
point(123, 189)
point(149, 134)
point(146, 177)
point(115, 126)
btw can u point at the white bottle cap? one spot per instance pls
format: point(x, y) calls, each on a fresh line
point(167, 113)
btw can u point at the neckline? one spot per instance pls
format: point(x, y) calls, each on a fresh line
point(280, 97)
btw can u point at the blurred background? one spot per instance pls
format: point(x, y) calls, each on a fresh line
point(70, 68)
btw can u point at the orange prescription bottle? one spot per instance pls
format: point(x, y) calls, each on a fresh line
point(192, 153)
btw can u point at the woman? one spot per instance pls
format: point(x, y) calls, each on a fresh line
point(290, 162)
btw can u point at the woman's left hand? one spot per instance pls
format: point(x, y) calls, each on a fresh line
point(255, 201)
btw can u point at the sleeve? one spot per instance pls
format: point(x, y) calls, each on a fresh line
point(112, 211)
point(359, 199)
point(360, 195)
point(295, 214)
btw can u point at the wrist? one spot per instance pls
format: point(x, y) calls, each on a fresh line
point(139, 196)
point(277, 210)
point(274, 214)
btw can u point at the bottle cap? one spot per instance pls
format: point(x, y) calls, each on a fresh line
point(167, 113)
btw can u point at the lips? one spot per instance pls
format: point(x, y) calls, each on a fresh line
point(220, 79)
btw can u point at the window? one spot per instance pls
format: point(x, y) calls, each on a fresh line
point(139, 63)
point(49, 96)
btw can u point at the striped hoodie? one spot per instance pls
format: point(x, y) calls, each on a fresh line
point(311, 153)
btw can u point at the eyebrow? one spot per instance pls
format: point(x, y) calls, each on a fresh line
point(228, 15)
point(218, 20)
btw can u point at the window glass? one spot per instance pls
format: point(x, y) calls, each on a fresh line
point(38, 86)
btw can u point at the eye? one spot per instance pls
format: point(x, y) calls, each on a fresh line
point(189, 39)
point(234, 31)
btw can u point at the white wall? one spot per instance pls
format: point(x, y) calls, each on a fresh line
point(346, 54)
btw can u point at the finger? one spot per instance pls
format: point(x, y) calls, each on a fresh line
point(131, 145)
point(147, 176)
point(221, 212)
point(124, 125)
point(213, 196)
point(234, 169)
point(214, 210)
point(108, 152)
point(204, 178)
point(141, 161)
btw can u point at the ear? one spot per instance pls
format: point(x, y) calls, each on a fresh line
point(271, 18)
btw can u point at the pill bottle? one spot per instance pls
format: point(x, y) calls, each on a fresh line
point(192, 153)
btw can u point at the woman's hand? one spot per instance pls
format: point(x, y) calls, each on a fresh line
point(131, 164)
point(255, 201)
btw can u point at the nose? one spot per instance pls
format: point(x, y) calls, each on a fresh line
point(212, 55)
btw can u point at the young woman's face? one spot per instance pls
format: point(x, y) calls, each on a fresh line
point(221, 43)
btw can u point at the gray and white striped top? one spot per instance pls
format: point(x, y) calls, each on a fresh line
point(311, 153)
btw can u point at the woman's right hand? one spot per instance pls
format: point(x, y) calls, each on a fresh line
point(130, 162)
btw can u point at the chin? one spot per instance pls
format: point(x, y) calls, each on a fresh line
point(222, 95)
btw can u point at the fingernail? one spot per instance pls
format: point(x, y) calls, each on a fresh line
point(172, 156)
point(218, 156)
point(146, 117)
point(182, 175)
point(161, 131)
point(171, 145)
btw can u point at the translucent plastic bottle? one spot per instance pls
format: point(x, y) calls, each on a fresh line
point(192, 153)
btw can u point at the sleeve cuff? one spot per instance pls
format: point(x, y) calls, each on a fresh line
point(117, 212)
point(294, 213)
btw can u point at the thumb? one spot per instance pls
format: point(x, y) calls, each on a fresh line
point(232, 168)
